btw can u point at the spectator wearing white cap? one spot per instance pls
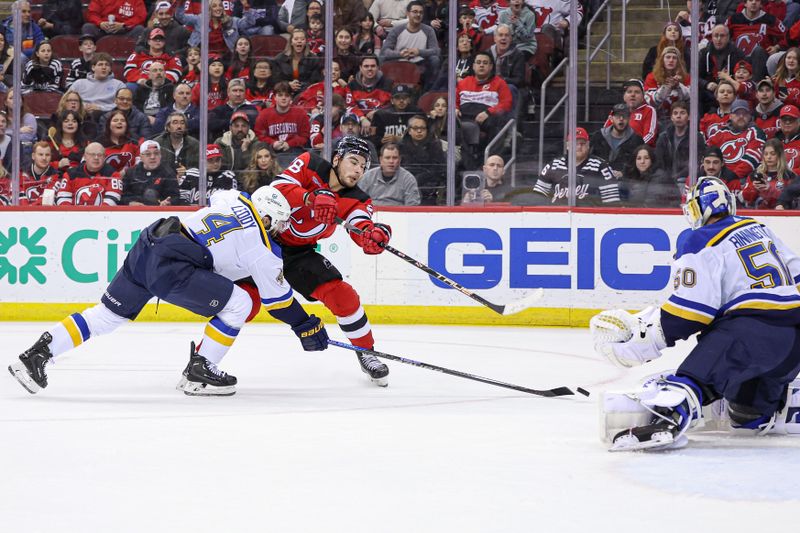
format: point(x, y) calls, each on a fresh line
point(237, 143)
point(176, 35)
point(150, 182)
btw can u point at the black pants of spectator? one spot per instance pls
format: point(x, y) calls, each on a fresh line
point(477, 136)
point(758, 59)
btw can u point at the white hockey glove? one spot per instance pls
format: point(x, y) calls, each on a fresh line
point(628, 340)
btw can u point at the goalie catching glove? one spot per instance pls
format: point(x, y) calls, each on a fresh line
point(373, 237)
point(323, 205)
point(312, 334)
point(628, 340)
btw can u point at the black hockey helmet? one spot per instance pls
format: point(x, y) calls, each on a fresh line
point(350, 144)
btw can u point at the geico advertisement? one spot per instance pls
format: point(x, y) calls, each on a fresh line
point(581, 260)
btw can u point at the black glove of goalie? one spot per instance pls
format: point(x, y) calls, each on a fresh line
point(312, 334)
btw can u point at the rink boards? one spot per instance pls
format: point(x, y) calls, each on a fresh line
point(53, 262)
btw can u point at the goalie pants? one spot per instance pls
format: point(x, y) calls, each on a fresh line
point(746, 360)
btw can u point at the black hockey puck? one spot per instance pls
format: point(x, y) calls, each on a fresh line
point(583, 391)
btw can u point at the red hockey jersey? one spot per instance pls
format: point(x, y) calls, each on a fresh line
point(765, 31)
point(314, 96)
point(32, 185)
point(78, 186)
point(768, 122)
point(216, 95)
point(494, 95)
point(370, 98)
point(486, 16)
point(292, 126)
point(741, 151)
point(643, 121)
point(791, 150)
point(788, 91)
point(137, 66)
point(710, 123)
point(307, 173)
point(122, 156)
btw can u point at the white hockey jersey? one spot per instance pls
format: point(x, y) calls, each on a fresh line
point(232, 231)
point(735, 266)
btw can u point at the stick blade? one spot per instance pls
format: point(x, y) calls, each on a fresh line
point(520, 305)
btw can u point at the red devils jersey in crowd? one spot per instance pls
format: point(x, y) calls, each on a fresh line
point(78, 186)
point(486, 16)
point(314, 96)
point(138, 66)
point(643, 121)
point(788, 91)
point(710, 123)
point(551, 11)
point(260, 98)
point(292, 126)
point(763, 199)
point(742, 150)
point(216, 95)
point(768, 122)
point(308, 173)
point(370, 98)
point(791, 150)
point(747, 91)
point(764, 31)
point(317, 136)
point(122, 156)
point(73, 153)
point(32, 184)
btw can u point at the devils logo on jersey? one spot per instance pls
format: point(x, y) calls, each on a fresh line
point(791, 156)
point(120, 160)
point(733, 150)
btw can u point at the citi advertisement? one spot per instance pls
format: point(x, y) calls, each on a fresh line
point(582, 260)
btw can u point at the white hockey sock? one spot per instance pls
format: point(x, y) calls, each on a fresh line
point(222, 330)
point(77, 328)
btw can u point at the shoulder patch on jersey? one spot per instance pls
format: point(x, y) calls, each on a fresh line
point(355, 193)
point(692, 241)
point(319, 165)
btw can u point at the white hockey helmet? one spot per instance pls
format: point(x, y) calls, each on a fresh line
point(269, 201)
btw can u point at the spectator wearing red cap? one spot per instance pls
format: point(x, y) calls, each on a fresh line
point(237, 143)
point(176, 35)
point(767, 111)
point(742, 81)
point(285, 127)
point(789, 135)
point(216, 178)
point(151, 181)
point(138, 63)
point(643, 116)
point(741, 142)
point(596, 185)
point(115, 17)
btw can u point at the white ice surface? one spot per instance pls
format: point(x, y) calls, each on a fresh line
point(309, 445)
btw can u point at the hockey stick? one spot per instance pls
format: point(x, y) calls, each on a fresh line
point(549, 393)
point(508, 309)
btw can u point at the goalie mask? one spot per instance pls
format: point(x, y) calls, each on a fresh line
point(269, 201)
point(710, 196)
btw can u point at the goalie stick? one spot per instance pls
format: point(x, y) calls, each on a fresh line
point(549, 393)
point(508, 309)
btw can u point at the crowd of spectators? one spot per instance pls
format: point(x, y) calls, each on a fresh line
point(143, 109)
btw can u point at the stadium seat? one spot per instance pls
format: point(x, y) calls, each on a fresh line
point(267, 45)
point(425, 102)
point(42, 104)
point(117, 46)
point(487, 40)
point(65, 47)
point(401, 72)
point(118, 69)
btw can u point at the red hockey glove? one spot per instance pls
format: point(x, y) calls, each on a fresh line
point(323, 206)
point(373, 237)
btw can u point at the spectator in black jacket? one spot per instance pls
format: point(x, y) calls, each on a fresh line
point(389, 124)
point(672, 147)
point(617, 143)
point(219, 118)
point(424, 158)
point(61, 17)
point(720, 54)
point(155, 93)
point(150, 182)
point(509, 64)
point(176, 35)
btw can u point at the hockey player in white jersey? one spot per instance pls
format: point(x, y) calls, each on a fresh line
point(735, 282)
point(193, 264)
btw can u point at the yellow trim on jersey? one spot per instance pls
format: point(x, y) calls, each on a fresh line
point(249, 204)
point(74, 332)
point(278, 305)
point(767, 306)
point(214, 334)
point(686, 314)
point(727, 231)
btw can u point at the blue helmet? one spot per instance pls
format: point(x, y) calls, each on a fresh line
point(710, 196)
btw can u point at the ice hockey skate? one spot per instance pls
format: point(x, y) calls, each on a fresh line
point(30, 371)
point(201, 377)
point(372, 367)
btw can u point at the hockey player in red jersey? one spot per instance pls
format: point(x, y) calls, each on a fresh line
point(318, 192)
point(741, 142)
